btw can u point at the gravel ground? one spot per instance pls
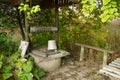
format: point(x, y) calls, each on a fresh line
point(75, 70)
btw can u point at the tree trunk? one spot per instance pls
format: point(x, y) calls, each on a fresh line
point(20, 25)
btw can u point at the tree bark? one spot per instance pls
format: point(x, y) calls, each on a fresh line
point(20, 25)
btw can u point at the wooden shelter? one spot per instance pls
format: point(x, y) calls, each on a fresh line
point(44, 4)
point(41, 56)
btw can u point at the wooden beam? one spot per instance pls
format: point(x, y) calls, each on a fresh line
point(43, 29)
point(95, 48)
point(98, 49)
point(59, 5)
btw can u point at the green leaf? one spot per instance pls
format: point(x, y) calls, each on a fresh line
point(1, 64)
point(1, 57)
point(104, 19)
point(7, 69)
point(28, 66)
point(105, 2)
point(15, 57)
point(7, 76)
point(113, 2)
point(26, 7)
point(29, 77)
point(20, 63)
point(104, 7)
point(38, 72)
point(27, 0)
point(84, 1)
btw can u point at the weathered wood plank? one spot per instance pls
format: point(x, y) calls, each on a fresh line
point(114, 65)
point(95, 48)
point(43, 29)
point(109, 74)
point(112, 69)
point(82, 53)
point(105, 59)
point(118, 59)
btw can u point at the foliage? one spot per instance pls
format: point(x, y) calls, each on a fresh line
point(16, 68)
point(29, 10)
point(113, 38)
point(88, 7)
point(109, 8)
point(38, 73)
point(7, 16)
point(42, 18)
point(41, 39)
point(7, 44)
point(11, 64)
point(74, 27)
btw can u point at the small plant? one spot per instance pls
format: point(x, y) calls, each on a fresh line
point(12, 67)
point(19, 69)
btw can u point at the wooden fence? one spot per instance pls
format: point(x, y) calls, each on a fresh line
point(83, 46)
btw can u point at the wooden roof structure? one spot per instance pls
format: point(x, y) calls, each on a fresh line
point(42, 3)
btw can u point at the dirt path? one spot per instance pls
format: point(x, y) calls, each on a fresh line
point(70, 70)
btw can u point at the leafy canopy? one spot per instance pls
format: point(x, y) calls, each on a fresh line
point(29, 10)
point(109, 8)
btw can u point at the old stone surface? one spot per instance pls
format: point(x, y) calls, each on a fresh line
point(48, 60)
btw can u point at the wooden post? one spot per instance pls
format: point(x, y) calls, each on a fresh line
point(82, 53)
point(56, 25)
point(105, 59)
point(91, 55)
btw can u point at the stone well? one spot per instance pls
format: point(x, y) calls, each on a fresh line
point(48, 60)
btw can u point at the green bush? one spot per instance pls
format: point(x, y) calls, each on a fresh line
point(11, 64)
point(41, 39)
point(8, 44)
point(15, 68)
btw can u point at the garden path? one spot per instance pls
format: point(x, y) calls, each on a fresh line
point(75, 70)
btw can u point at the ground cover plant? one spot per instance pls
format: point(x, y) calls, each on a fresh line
point(12, 67)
